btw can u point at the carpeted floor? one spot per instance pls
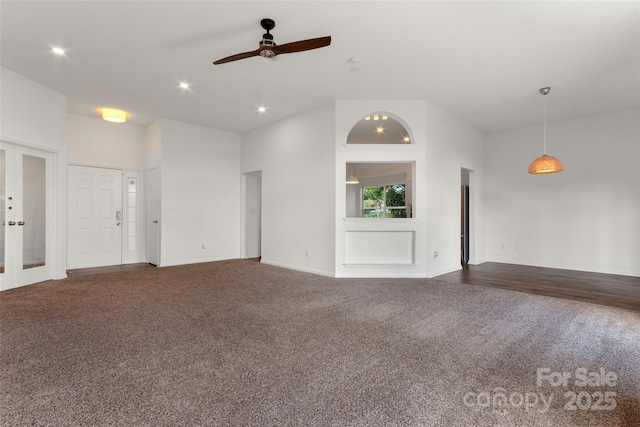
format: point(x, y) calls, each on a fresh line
point(243, 343)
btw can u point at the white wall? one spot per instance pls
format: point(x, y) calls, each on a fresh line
point(95, 142)
point(33, 115)
point(452, 144)
point(200, 194)
point(154, 144)
point(297, 160)
point(442, 144)
point(585, 218)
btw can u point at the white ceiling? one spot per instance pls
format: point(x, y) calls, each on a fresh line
point(482, 61)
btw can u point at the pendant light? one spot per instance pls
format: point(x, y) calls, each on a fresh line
point(352, 179)
point(545, 164)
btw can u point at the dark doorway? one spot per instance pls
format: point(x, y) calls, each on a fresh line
point(464, 220)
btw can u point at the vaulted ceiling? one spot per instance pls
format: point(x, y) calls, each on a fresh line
point(482, 61)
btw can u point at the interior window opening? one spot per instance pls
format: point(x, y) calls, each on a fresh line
point(379, 190)
point(379, 128)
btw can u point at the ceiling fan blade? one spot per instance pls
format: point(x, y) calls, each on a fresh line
point(237, 57)
point(302, 45)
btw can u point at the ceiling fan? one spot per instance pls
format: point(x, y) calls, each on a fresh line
point(268, 48)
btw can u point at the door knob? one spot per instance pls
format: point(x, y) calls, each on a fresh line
point(155, 221)
point(12, 223)
point(20, 222)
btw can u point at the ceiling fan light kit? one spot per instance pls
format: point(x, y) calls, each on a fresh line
point(269, 49)
point(545, 164)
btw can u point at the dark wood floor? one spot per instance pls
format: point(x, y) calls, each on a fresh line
point(605, 289)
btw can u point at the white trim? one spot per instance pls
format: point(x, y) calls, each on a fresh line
point(290, 267)
point(14, 141)
point(385, 275)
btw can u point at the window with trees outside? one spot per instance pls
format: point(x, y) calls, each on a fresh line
point(384, 201)
point(379, 190)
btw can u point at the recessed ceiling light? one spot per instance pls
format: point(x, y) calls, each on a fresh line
point(379, 129)
point(406, 139)
point(57, 50)
point(184, 85)
point(262, 109)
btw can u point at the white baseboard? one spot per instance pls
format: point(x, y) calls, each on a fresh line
point(291, 267)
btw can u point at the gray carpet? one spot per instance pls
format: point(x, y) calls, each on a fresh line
point(242, 343)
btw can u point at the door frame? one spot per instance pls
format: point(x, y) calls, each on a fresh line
point(138, 174)
point(468, 179)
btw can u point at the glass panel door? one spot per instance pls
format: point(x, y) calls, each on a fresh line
point(25, 199)
point(34, 204)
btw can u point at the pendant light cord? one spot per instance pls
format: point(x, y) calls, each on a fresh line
point(545, 125)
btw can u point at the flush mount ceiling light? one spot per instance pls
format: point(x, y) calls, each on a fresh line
point(113, 115)
point(545, 164)
point(352, 179)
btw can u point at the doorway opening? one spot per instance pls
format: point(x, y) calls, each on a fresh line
point(105, 210)
point(465, 220)
point(253, 215)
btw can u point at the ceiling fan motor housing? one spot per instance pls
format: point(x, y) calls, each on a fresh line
point(267, 39)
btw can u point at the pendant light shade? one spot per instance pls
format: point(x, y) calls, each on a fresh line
point(545, 164)
point(352, 179)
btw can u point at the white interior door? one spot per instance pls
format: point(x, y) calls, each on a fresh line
point(26, 203)
point(153, 217)
point(95, 217)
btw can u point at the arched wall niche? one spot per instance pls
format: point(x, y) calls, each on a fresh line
point(380, 128)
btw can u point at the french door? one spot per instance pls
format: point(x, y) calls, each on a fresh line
point(25, 206)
